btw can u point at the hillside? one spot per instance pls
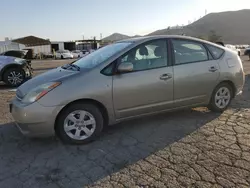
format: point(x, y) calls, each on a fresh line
point(118, 36)
point(233, 26)
point(115, 37)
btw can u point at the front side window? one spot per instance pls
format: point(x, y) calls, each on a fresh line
point(99, 56)
point(187, 51)
point(147, 56)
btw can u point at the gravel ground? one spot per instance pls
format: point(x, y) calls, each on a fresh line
point(190, 148)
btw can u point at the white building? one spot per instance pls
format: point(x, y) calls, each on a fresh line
point(38, 45)
point(9, 45)
point(63, 45)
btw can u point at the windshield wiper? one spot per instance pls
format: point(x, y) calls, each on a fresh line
point(75, 66)
point(67, 66)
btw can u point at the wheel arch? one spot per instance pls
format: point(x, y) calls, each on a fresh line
point(9, 66)
point(229, 82)
point(98, 104)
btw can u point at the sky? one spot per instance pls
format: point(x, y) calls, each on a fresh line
point(63, 20)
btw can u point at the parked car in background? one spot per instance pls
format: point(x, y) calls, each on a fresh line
point(43, 56)
point(64, 54)
point(247, 51)
point(23, 54)
point(15, 53)
point(76, 53)
point(14, 71)
point(233, 48)
point(127, 79)
point(84, 53)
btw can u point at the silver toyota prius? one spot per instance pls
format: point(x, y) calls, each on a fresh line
point(124, 80)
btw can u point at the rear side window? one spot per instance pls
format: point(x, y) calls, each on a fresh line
point(215, 51)
point(188, 51)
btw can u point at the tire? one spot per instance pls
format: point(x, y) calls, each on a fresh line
point(68, 136)
point(61, 57)
point(227, 98)
point(238, 53)
point(14, 72)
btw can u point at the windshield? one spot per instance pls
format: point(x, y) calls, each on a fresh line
point(101, 55)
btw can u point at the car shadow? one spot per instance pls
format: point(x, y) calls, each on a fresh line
point(3, 86)
point(243, 100)
point(42, 162)
point(118, 147)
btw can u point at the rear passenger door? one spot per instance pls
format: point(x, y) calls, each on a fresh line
point(195, 72)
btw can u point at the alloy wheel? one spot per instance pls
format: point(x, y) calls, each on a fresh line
point(222, 97)
point(15, 78)
point(79, 125)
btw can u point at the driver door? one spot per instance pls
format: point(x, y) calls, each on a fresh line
point(148, 88)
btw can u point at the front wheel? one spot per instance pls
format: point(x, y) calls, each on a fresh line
point(79, 124)
point(14, 77)
point(221, 98)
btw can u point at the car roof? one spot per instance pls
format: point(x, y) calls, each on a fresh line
point(137, 39)
point(148, 38)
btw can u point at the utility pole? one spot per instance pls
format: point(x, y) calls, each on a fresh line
point(100, 36)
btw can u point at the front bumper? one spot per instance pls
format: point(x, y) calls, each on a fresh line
point(34, 120)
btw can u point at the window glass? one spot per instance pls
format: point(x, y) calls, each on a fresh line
point(216, 52)
point(187, 51)
point(99, 56)
point(147, 56)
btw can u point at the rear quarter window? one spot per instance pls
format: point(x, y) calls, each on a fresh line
point(215, 51)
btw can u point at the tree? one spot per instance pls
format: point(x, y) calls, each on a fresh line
point(213, 37)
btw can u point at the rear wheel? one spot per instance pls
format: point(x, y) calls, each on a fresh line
point(14, 77)
point(79, 124)
point(221, 97)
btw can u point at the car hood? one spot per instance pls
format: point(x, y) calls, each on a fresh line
point(57, 74)
point(4, 60)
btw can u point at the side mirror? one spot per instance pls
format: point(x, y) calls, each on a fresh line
point(125, 67)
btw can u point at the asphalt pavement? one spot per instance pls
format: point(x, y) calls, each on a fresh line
point(188, 148)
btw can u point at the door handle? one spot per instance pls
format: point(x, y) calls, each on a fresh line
point(213, 69)
point(165, 76)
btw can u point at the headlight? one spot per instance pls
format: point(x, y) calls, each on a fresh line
point(38, 92)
